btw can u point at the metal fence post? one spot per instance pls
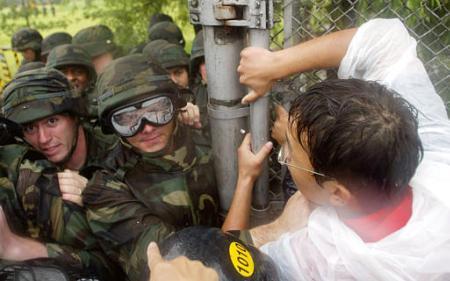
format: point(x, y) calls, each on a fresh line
point(259, 36)
point(224, 26)
point(227, 116)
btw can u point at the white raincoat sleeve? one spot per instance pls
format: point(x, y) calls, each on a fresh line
point(383, 51)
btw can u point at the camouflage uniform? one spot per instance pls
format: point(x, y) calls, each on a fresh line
point(142, 197)
point(53, 40)
point(199, 87)
point(69, 54)
point(168, 31)
point(96, 40)
point(30, 66)
point(30, 189)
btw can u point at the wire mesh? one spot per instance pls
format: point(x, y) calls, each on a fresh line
point(300, 20)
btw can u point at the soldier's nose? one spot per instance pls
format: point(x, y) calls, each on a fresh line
point(148, 129)
point(43, 136)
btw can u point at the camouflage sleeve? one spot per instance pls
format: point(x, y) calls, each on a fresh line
point(75, 245)
point(62, 226)
point(123, 222)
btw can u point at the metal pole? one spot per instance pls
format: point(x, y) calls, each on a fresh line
point(227, 116)
point(259, 124)
point(224, 23)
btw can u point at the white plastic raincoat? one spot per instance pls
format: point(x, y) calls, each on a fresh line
point(327, 249)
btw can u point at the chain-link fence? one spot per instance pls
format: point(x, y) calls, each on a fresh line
point(427, 21)
point(300, 20)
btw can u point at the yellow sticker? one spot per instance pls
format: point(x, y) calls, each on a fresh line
point(241, 259)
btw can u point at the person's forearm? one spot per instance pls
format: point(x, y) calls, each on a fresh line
point(264, 234)
point(20, 249)
point(239, 213)
point(323, 52)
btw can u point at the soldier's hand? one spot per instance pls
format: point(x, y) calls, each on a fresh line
point(279, 127)
point(72, 185)
point(250, 164)
point(190, 115)
point(255, 70)
point(178, 269)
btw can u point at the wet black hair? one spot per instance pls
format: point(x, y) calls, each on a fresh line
point(359, 133)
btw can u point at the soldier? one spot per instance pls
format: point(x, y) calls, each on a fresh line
point(159, 178)
point(199, 81)
point(27, 41)
point(98, 41)
point(41, 205)
point(157, 18)
point(154, 19)
point(153, 46)
point(50, 113)
point(53, 40)
point(168, 31)
point(76, 65)
point(174, 59)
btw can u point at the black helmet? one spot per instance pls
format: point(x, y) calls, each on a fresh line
point(231, 258)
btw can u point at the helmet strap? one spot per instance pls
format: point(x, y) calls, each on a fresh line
point(74, 144)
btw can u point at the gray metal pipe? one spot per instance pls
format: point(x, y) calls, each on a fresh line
point(227, 116)
point(259, 126)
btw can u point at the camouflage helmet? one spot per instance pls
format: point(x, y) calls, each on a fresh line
point(53, 40)
point(70, 54)
point(168, 31)
point(26, 38)
point(39, 93)
point(197, 53)
point(129, 79)
point(96, 40)
point(159, 17)
point(169, 55)
point(152, 46)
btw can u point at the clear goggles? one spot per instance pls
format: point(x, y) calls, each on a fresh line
point(129, 120)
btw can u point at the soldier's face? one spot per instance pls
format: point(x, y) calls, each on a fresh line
point(151, 138)
point(77, 76)
point(179, 76)
point(53, 136)
point(101, 61)
point(28, 55)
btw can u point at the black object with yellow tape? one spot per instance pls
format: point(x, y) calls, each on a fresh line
point(230, 257)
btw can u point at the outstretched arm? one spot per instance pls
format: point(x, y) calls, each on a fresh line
point(16, 248)
point(294, 217)
point(250, 166)
point(178, 269)
point(260, 68)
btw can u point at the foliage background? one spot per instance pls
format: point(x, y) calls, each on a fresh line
point(127, 18)
point(428, 21)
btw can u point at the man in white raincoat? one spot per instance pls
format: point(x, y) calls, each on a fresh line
point(376, 215)
point(356, 233)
